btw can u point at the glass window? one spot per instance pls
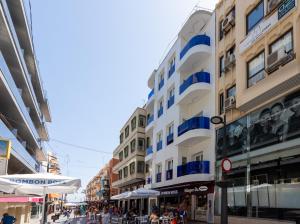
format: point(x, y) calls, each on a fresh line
point(132, 145)
point(158, 168)
point(221, 33)
point(133, 123)
point(148, 142)
point(127, 131)
point(161, 104)
point(120, 174)
point(170, 165)
point(126, 152)
point(221, 65)
point(147, 168)
point(171, 92)
point(121, 138)
point(230, 51)
point(198, 156)
point(159, 137)
point(231, 91)
point(184, 160)
point(141, 144)
point(256, 69)
point(255, 16)
point(285, 41)
point(121, 156)
point(140, 166)
point(142, 121)
point(171, 129)
point(221, 103)
point(132, 168)
point(125, 170)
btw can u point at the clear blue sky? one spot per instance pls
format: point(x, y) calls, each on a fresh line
point(95, 58)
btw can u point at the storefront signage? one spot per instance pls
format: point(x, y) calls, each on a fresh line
point(196, 189)
point(258, 31)
point(285, 7)
point(36, 181)
point(169, 192)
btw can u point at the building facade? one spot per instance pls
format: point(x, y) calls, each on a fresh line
point(24, 109)
point(257, 87)
point(180, 140)
point(92, 188)
point(131, 155)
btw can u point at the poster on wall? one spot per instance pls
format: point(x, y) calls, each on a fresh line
point(275, 123)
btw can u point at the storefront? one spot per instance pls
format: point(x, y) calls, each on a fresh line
point(195, 198)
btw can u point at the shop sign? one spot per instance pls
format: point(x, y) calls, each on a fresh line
point(196, 189)
point(285, 7)
point(169, 192)
point(258, 31)
point(36, 181)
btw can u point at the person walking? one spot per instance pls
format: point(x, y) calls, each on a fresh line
point(7, 219)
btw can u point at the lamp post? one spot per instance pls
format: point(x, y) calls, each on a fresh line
point(223, 184)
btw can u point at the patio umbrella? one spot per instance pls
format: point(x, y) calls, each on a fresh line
point(39, 184)
point(142, 193)
point(120, 196)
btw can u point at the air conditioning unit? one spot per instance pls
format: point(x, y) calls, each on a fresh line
point(278, 58)
point(272, 4)
point(228, 22)
point(229, 62)
point(230, 103)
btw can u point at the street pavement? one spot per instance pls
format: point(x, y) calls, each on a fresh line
point(71, 220)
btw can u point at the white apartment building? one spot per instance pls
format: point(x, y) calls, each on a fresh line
point(24, 108)
point(180, 139)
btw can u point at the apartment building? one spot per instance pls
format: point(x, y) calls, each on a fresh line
point(180, 140)
point(258, 88)
point(92, 188)
point(131, 154)
point(24, 109)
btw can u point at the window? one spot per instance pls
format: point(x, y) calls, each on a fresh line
point(184, 160)
point(255, 16)
point(142, 121)
point(121, 138)
point(231, 91)
point(127, 131)
point(121, 156)
point(159, 137)
point(171, 129)
point(221, 65)
point(198, 156)
point(148, 142)
point(171, 92)
point(141, 144)
point(221, 32)
point(221, 103)
point(285, 41)
point(140, 166)
point(132, 145)
point(158, 168)
point(133, 123)
point(126, 152)
point(171, 98)
point(161, 81)
point(125, 170)
point(120, 174)
point(147, 168)
point(132, 168)
point(256, 69)
point(230, 51)
point(170, 165)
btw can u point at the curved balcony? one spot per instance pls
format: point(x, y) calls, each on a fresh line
point(194, 167)
point(194, 87)
point(195, 50)
point(149, 150)
point(193, 131)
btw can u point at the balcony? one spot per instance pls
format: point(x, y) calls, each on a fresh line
point(149, 180)
point(193, 131)
point(159, 145)
point(171, 70)
point(169, 174)
point(151, 94)
point(195, 51)
point(158, 177)
point(194, 87)
point(194, 167)
point(161, 84)
point(150, 119)
point(170, 138)
point(171, 101)
point(149, 150)
point(160, 112)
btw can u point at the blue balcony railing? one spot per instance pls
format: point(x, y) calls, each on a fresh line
point(193, 123)
point(196, 40)
point(195, 78)
point(160, 112)
point(171, 101)
point(150, 119)
point(170, 138)
point(159, 145)
point(195, 167)
point(161, 84)
point(150, 94)
point(149, 150)
point(149, 180)
point(171, 70)
point(169, 174)
point(158, 177)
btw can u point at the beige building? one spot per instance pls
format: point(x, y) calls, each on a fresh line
point(258, 87)
point(131, 153)
point(92, 188)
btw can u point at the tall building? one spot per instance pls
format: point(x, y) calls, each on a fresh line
point(24, 109)
point(131, 155)
point(257, 86)
point(92, 188)
point(180, 140)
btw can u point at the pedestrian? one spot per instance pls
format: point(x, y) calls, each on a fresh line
point(7, 219)
point(105, 217)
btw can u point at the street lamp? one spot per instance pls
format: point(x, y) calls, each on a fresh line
point(223, 184)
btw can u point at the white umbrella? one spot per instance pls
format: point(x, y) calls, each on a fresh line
point(120, 196)
point(142, 193)
point(39, 184)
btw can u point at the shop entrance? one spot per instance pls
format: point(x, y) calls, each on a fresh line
point(200, 207)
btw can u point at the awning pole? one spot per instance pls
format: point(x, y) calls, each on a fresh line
point(44, 205)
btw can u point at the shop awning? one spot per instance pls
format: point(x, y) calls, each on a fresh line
point(20, 199)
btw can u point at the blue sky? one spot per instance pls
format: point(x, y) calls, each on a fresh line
point(95, 57)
